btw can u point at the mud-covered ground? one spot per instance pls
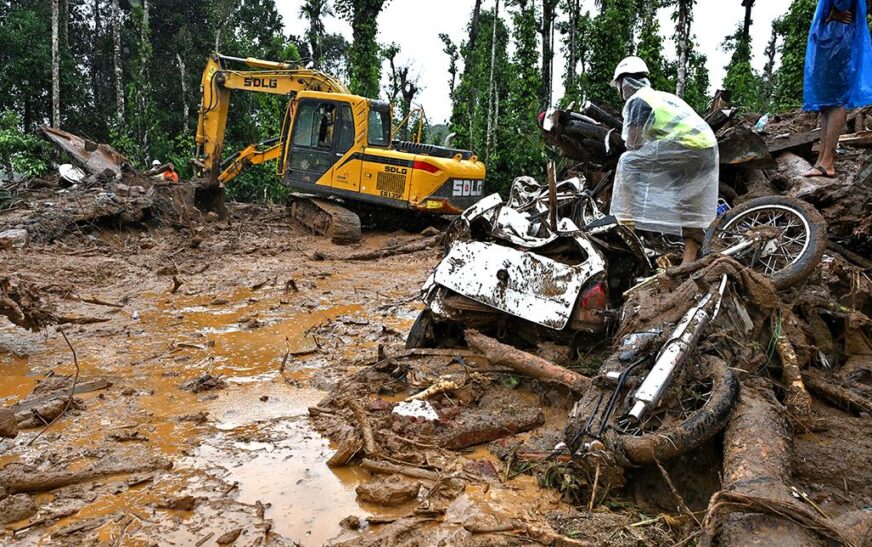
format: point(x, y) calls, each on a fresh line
point(217, 341)
point(250, 296)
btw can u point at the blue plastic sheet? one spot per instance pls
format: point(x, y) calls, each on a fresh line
point(838, 60)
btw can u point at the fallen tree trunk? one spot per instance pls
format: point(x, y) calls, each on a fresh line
point(25, 479)
point(407, 470)
point(837, 395)
point(407, 248)
point(525, 363)
point(756, 465)
point(479, 427)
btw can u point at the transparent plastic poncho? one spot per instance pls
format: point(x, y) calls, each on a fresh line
point(838, 60)
point(668, 178)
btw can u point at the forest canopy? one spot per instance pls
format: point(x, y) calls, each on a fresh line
point(128, 71)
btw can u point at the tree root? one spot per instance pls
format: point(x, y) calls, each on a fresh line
point(838, 395)
point(789, 510)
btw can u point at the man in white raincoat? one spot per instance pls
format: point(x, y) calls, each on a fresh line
point(667, 181)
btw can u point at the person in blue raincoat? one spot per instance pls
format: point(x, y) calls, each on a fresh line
point(838, 72)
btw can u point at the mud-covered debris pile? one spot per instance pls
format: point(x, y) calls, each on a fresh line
point(107, 192)
point(22, 304)
point(754, 161)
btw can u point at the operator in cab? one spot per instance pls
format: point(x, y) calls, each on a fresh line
point(667, 181)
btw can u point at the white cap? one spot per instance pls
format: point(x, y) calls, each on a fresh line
point(630, 65)
point(155, 163)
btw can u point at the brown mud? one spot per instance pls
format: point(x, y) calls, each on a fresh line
point(239, 356)
point(262, 310)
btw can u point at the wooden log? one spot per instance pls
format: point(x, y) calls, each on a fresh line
point(477, 426)
point(344, 452)
point(584, 131)
point(84, 387)
point(798, 400)
point(757, 464)
point(369, 446)
point(837, 395)
point(862, 139)
point(792, 142)
point(595, 112)
point(392, 468)
point(24, 479)
point(525, 363)
point(407, 248)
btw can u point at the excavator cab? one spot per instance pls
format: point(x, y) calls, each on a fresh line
point(321, 135)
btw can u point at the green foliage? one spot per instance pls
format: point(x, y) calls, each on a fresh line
point(696, 94)
point(258, 183)
point(25, 62)
point(795, 24)
point(566, 479)
point(610, 41)
point(741, 80)
point(470, 105)
point(514, 144)
point(20, 152)
point(364, 63)
point(650, 48)
point(575, 52)
point(517, 149)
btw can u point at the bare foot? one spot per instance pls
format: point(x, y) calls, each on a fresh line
point(820, 171)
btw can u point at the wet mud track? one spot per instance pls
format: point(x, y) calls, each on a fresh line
point(274, 329)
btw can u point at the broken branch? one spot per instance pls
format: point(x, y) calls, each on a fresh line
point(525, 363)
point(72, 389)
point(369, 446)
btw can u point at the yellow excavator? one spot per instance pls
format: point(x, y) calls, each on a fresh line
point(335, 150)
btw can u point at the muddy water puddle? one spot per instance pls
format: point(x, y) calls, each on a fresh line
point(254, 442)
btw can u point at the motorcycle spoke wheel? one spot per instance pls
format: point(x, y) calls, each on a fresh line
point(681, 407)
point(793, 237)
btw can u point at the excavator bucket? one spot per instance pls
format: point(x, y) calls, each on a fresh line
point(209, 197)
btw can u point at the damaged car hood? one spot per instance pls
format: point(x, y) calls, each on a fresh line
point(523, 284)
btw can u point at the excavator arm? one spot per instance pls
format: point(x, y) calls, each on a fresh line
point(261, 77)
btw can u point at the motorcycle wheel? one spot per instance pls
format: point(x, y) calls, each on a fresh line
point(689, 428)
point(801, 244)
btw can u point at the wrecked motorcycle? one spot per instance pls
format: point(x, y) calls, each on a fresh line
point(549, 265)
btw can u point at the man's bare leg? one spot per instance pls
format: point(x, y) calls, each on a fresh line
point(832, 124)
point(691, 251)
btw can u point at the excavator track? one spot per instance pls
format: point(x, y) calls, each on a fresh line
point(327, 218)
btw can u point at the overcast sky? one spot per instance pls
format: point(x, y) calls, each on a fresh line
point(415, 25)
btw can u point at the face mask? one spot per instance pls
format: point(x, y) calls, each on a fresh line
point(629, 86)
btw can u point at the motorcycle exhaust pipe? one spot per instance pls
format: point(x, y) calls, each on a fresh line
point(675, 352)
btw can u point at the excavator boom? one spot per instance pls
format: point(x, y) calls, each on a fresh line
point(218, 81)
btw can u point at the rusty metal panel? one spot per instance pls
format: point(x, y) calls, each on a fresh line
point(95, 158)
